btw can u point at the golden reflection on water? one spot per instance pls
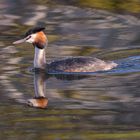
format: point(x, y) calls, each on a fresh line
point(114, 5)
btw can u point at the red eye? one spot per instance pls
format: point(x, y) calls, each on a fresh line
point(28, 37)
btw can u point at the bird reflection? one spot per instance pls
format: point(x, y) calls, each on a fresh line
point(40, 100)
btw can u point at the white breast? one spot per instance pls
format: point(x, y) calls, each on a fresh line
point(39, 58)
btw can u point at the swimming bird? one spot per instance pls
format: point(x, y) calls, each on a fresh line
point(37, 37)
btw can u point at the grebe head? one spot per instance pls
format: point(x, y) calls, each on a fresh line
point(35, 36)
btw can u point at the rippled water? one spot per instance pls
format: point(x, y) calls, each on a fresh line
point(102, 105)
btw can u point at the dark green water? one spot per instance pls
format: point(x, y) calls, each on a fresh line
point(93, 106)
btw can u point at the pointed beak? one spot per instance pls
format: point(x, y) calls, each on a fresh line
point(20, 41)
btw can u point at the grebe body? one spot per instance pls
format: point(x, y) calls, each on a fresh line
point(37, 37)
point(81, 64)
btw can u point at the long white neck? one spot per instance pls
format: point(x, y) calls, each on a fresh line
point(39, 58)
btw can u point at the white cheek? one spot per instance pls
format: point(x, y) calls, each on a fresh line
point(31, 39)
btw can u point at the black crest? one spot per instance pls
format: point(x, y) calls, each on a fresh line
point(34, 30)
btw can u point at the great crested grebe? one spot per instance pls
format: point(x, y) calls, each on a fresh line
point(37, 37)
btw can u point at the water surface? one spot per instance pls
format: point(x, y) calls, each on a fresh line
point(102, 105)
